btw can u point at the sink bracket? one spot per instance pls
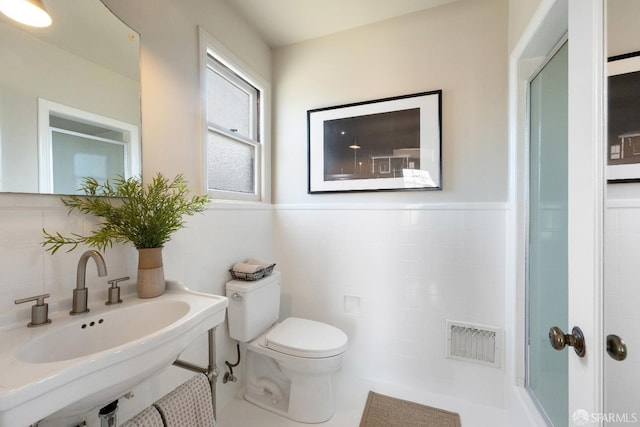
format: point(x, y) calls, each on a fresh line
point(211, 371)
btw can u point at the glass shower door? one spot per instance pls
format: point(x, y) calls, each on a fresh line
point(547, 266)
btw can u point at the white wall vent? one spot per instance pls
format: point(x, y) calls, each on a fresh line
point(474, 343)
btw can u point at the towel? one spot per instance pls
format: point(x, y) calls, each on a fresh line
point(246, 268)
point(256, 262)
point(188, 405)
point(150, 417)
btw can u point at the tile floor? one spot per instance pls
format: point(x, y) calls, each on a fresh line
point(350, 395)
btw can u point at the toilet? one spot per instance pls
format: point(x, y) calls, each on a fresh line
point(289, 364)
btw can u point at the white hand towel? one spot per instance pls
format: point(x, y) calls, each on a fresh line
point(256, 262)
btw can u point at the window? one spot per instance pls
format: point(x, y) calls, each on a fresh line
point(75, 144)
point(235, 142)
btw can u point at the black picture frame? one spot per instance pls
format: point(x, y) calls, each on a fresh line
point(623, 118)
point(379, 145)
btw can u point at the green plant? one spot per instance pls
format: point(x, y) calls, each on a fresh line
point(130, 212)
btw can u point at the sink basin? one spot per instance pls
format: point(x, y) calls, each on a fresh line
point(101, 332)
point(79, 363)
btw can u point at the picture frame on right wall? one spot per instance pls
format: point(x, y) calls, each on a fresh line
point(623, 118)
point(378, 145)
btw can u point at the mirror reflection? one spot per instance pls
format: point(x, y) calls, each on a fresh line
point(69, 99)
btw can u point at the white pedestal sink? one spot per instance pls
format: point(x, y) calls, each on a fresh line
point(78, 363)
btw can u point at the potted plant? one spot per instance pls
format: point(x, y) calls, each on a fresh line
point(145, 216)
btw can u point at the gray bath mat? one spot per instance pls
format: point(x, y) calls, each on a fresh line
point(385, 411)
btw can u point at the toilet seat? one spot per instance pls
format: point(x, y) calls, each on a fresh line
point(306, 338)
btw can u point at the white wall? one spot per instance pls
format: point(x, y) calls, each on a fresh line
point(520, 13)
point(460, 48)
point(623, 34)
point(413, 259)
point(27, 269)
point(410, 269)
point(622, 298)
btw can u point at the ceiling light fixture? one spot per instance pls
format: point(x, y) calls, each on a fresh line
point(28, 12)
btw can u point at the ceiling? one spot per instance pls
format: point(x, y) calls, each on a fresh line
point(284, 22)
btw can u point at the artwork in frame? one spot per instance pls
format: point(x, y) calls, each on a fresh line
point(385, 144)
point(623, 118)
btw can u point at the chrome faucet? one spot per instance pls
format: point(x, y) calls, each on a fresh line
point(80, 293)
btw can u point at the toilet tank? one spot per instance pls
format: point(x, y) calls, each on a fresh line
point(253, 306)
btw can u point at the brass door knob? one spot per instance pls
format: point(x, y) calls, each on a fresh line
point(616, 348)
point(560, 340)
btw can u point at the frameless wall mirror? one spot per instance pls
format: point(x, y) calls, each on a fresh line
point(621, 296)
point(623, 92)
point(69, 99)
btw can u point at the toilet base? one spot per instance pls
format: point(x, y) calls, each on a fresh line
point(318, 414)
point(302, 397)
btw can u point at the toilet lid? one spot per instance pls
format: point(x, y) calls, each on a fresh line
point(306, 338)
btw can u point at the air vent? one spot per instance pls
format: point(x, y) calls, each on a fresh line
point(474, 343)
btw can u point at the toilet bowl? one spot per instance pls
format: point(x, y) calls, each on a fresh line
point(289, 364)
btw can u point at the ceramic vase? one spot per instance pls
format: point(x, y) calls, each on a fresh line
point(150, 273)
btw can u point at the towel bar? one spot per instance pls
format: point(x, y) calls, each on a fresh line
point(211, 371)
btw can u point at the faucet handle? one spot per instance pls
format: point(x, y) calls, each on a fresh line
point(38, 298)
point(114, 291)
point(114, 282)
point(39, 311)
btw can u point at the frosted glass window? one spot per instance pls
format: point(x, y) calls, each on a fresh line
point(77, 156)
point(231, 164)
point(233, 140)
point(229, 106)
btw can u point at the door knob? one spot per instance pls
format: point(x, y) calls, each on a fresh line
point(575, 339)
point(616, 348)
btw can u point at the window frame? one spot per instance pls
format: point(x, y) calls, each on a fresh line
point(210, 47)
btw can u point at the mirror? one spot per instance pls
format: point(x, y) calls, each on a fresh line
point(621, 296)
point(69, 99)
point(623, 91)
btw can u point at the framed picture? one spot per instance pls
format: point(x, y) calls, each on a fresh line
point(385, 144)
point(623, 125)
